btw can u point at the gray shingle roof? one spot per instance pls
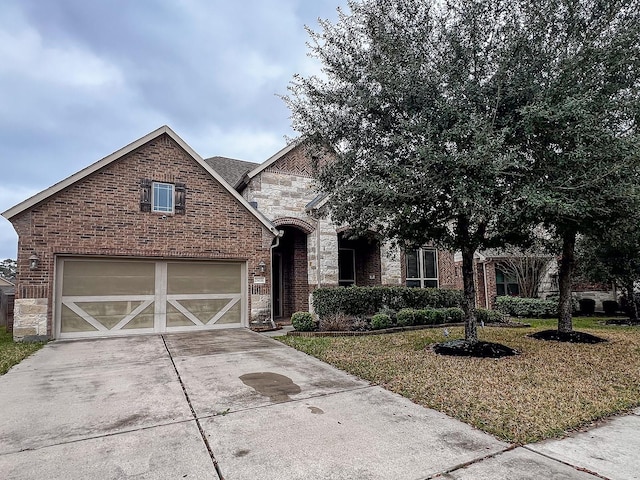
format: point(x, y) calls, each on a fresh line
point(230, 169)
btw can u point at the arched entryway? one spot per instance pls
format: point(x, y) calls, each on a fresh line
point(290, 273)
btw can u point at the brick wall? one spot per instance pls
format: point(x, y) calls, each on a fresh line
point(100, 215)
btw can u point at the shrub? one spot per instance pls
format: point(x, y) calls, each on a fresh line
point(526, 307)
point(363, 301)
point(336, 323)
point(587, 306)
point(303, 321)
point(380, 320)
point(454, 315)
point(405, 317)
point(489, 316)
point(610, 307)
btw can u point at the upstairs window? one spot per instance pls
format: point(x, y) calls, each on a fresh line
point(422, 268)
point(162, 197)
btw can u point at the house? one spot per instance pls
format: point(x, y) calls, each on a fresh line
point(7, 294)
point(506, 273)
point(153, 238)
point(314, 252)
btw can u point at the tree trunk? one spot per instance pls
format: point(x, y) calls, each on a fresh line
point(631, 301)
point(565, 274)
point(469, 297)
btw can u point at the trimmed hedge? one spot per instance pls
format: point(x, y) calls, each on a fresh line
point(489, 316)
point(380, 321)
point(365, 301)
point(527, 307)
point(303, 322)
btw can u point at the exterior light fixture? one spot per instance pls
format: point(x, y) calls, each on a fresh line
point(34, 261)
point(262, 266)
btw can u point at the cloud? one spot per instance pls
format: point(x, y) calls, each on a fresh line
point(24, 55)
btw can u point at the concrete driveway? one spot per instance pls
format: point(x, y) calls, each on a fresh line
point(234, 404)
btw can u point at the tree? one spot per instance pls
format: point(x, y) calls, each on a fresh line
point(613, 258)
point(580, 126)
point(527, 266)
point(416, 102)
point(8, 269)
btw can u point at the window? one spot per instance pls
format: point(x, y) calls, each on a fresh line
point(162, 197)
point(422, 268)
point(346, 267)
point(506, 285)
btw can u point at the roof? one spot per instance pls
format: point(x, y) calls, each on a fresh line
point(317, 202)
point(76, 177)
point(270, 161)
point(231, 169)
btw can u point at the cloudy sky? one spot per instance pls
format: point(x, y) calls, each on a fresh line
point(80, 79)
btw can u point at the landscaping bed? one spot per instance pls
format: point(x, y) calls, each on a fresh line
point(548, 389)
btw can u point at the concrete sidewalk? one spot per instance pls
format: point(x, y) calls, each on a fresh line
point(177, 405)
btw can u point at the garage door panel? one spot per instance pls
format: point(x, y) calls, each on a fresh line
point(108, 278)
point(144, 319)
point(233, 315)
point(71, 322)
point(110, 314)
point(102, 297)
point(192, 278)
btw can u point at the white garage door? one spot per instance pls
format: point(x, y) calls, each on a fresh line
point(121, 297)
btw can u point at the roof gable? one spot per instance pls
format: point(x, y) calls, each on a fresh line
point(67, 182)
point(274, 158)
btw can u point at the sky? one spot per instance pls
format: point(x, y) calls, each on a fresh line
point(80, 79)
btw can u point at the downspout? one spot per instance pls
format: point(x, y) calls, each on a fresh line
point(486, 288)
point(275, 245)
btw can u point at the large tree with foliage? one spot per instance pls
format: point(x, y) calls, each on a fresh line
point(416, 101)
point(613, 257)
point(580, 125)
point(8, 269)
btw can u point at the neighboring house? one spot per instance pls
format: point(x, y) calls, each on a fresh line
point(492, 280)
point(7, 293)
point(153, 239)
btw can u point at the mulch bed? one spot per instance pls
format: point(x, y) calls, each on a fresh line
point(572, 337)
point(462, 348)
point(621, 321)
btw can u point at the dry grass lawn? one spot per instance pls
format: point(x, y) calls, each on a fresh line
point(13, 353)
point(548, 389)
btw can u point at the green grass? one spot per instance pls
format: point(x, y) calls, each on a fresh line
point(12, 353)
point(547, 390)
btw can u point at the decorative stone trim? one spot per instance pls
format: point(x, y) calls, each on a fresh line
point(30, 318)
point(306, 227)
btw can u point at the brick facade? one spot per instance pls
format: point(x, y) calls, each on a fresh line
point(100, 215)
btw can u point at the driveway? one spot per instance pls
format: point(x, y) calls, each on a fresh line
point(234, 404)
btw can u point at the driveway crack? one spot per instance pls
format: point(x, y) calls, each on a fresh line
point(193, 413)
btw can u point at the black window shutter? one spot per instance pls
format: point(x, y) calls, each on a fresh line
point(145, 195)
point(181, 199)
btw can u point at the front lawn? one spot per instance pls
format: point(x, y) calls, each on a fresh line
point(548, 389)
point(13, 353)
